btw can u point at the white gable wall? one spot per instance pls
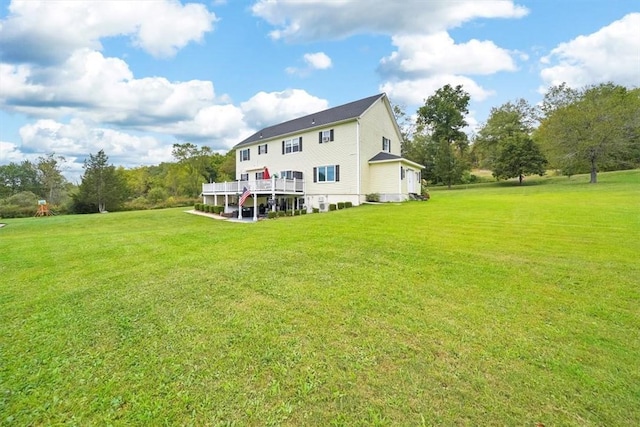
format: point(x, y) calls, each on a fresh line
point(377, 122)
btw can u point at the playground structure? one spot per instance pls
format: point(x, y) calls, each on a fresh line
point(43, 209)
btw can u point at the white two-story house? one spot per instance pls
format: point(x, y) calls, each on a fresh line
point(337, 155)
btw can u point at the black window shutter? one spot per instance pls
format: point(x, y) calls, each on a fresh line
point(248, 154)
point(300, 143)
point(315, 174)
point(265, 148)
point(320, 137)
point(331, 135)
point(383, 143)
point(337, 173)
point(282, 147)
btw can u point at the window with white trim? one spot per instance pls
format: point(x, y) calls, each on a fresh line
point(244, 155)
point(386, 144)
point(330, 173)
point(291, 174)
point(244, 177)
point(325, 136)
point(292, 145)
point(259, 175)
point(262, 149)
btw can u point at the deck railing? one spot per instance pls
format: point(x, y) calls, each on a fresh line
point(273, 185)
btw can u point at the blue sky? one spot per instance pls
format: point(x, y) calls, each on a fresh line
point(134, 77)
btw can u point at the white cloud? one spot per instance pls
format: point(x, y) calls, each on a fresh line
point(318, 60)
point(319, 19)
point(413, 92)
point(10, 153)
point(100, 89)
point(424, 63)
point(314, 61)
point(160, 27)
point(610, 54)
point(79, 138)
point(266, 109)
point(437, 53)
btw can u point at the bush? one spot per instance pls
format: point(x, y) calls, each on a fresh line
point(24, 199)
point(157, 195)
point(272, 215)
point(13, 211)
point(218, 209)
point(340, 205)
point(348, 204)
point(289, 212)
point(315, 210)
point(281, 213)
point(296, 212)
point(303, 212)
point(332, 207)
point(373, 197)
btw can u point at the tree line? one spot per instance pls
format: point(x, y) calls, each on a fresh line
point(105, 187)
point(595, 128)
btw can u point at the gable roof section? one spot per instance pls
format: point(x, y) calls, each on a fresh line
point(383, 157)
point(340, 113)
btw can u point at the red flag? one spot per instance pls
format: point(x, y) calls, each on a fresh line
point(265, 174)
point(245, 193)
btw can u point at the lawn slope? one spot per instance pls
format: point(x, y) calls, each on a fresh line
point(497, 304)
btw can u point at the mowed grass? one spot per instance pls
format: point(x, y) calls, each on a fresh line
point(491, 305)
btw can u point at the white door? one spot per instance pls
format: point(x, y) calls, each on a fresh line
point(411, 181)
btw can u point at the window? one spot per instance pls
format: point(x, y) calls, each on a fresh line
point(291, 174)
point(262, 149)
point(259, 175)
point(244, 155)
point(386, 144)
point(326, 173)
point(325, 136)
point(244, 177)
point(292, 145)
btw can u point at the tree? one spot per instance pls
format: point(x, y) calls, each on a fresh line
point(594, 127)
point(518, 156)
point(102, 186)
point(18, 177)
point(443, 116)
point(196, 165)
point(511, 118)
point(404, 122)
point(50, 177)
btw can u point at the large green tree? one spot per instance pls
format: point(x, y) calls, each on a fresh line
point(517, 156)
point(102, 187)
point(49, 172)
point(443, 117)
point(508, 120)
point(595, 127)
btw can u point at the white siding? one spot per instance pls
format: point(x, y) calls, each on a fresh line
point(341, 151)
point(376, 123)
point(355, 142)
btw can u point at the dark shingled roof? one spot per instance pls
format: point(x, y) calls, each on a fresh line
point(322, 118)
point(384, 156)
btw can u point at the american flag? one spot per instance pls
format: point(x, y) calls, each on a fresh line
point(245, 193)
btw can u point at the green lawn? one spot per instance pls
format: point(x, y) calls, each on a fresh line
point(487, 305)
